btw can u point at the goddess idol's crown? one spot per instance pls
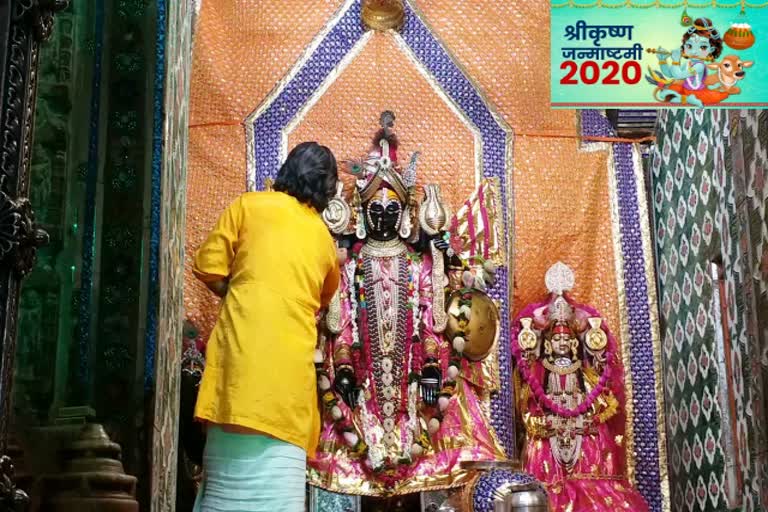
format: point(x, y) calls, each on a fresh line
point(380, 169)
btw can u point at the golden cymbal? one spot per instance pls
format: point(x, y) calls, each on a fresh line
point(481, 331)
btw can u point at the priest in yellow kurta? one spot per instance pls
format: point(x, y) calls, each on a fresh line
point(275, 264)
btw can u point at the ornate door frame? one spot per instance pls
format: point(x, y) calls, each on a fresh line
point(24, 25)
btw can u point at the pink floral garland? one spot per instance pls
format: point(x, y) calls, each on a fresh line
point(540, 394)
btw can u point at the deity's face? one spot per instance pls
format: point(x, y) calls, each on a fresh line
point(383, 214)
point(563, 345)
point(698, 47)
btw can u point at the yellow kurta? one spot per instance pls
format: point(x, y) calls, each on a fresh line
point(282, 266)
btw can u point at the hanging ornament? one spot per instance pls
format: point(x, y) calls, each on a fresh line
point(740, 36)
point(685, 19)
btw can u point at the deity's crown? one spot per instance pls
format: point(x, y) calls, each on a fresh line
point(559, 279)
point(381, 169)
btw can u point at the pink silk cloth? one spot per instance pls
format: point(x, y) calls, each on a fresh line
point(597, 482)
point(464, 433)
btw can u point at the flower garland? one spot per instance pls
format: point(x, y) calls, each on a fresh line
point(541, 395)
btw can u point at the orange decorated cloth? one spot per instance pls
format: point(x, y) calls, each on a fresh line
point(243, 48)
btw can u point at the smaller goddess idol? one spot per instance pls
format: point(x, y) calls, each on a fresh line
point(683, 79)
point(569, 394)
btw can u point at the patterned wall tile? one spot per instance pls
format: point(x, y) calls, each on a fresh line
point(679, 161)
point(750, 232)
point(713, 431)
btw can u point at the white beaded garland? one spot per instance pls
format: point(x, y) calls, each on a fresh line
point(351, 439)
point(468, 279)
point(324, 383)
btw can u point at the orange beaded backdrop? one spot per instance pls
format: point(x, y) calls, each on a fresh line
point(243, 48)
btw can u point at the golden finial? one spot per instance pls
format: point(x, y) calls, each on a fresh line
point(383, 15)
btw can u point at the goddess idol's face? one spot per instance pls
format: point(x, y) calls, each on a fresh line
point(383, 213)
point(562, 345)
point(698, 47)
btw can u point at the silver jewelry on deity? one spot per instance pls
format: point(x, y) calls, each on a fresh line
point(409, 175)
point(560, 311)
point(405, 224)
point(439, 282)
point(385, 274)
point(333, 317)
point(559, 278)
point(433, 216)
point(337, 214)
point(562, 366)
point(568, 432)
point(383, 249)
point(360, 231)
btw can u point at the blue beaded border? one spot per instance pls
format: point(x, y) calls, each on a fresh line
point(150, 339)
point(646, 421)
point(269, 124)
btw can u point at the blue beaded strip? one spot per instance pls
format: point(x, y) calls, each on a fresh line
point(150, 340)
point(270, 124)
point(433, 55)
point(645, 425)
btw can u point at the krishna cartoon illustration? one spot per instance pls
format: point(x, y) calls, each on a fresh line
point(691, 74)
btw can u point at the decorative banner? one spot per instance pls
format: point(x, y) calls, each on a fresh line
point(647, 53)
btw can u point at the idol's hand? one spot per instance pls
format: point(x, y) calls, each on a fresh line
point(442, 244)
point(676, 56)
point(431, 380)
point(344, 384)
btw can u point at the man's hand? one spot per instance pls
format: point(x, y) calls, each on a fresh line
point(219, 287)
point(341, 254)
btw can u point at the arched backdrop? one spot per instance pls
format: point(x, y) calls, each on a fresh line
point(462, 78)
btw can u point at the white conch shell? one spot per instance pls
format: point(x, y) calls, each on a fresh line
point(559, 278)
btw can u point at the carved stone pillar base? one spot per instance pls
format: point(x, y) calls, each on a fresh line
point(22, 476)
point(12, 499)
point(93, 479)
